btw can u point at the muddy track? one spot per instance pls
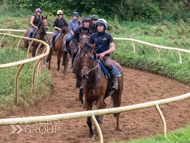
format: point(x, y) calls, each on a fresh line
point(139, 87)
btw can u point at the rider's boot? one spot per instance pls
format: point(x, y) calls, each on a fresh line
point(114, 79)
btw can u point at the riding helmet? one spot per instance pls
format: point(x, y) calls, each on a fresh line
point(75, 14)
point(59, 12)
point(85, 19)
point(101, 22)
point(38, 10)
point(94, 17)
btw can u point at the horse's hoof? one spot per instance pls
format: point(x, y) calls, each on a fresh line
point(118, 129)
point(94, 137)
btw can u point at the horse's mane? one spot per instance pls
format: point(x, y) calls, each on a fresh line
point(86, 48)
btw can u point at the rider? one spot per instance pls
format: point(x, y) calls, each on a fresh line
point(58, 24)
point(103, 41)
point(81, 30)
point(94, 18)
point(34, 22)
point(73, 25)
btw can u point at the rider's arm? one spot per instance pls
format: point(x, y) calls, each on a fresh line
point(57, 28)
point(111, 49)
point(31, 22)
point(71, 28)
point(75, 37)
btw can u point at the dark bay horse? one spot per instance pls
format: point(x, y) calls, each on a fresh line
point(83, 38)
point(40, 34)
point(59, 46)
point(95, 85)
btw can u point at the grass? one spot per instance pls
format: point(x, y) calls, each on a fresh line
point(7, 83)
point(178, 136)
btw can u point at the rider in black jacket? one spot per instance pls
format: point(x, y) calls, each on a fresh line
point(84, 29)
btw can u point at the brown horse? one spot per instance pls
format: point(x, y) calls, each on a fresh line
point(95, 85)
point(84, 38)
point(59, 46)
point(40, 34)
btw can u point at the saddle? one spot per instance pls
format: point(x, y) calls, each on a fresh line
point(107, 75)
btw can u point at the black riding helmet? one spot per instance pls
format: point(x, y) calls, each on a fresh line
point(85, 19)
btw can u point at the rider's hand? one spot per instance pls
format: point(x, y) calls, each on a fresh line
point(101, 55)
point(36, 27)
point(59, 29)
point(72, 32)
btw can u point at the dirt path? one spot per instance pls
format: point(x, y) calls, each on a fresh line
point(139, 87)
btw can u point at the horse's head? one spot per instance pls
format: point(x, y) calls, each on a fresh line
point(84, 37)
point(87, 60)
point(44, 23)
point(65, 30)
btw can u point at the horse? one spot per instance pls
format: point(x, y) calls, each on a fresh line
point(96, 84)
point(59, 46)
point(40, 34)
point(83, 38)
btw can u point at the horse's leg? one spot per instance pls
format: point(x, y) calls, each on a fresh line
point(117, 102)
point(58, 59)
point(81, 95)
point(34, 51)
point(89, 121)
point(49, 58)
point(99, 120)
point(65, 60)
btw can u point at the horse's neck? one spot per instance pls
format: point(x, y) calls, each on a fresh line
point(41, 32)
point(93, 76)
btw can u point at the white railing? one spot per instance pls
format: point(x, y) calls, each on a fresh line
point(41, 119)
point(126, 39)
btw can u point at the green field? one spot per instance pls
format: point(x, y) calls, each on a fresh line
point(7, 82)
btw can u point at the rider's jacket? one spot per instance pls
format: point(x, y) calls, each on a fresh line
point(36, 20)
point(102, 41)
point(73, 25)
point(60, 23)
point(80, 30)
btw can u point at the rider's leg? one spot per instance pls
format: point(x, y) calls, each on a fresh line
point(31, 31)
point(69, 38)
point(108, 64)
point(52, 40)
point(73, 58)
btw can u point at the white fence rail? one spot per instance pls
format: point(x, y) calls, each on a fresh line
point(40, 119)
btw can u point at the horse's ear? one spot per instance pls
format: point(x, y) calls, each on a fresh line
point(46, 17)
point(42, 17)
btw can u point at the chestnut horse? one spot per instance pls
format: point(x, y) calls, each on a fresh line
point(59, 46)
point(40, 34)
point(95, 85)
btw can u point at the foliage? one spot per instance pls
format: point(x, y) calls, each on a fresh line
point(7, 82)
point(150, 11)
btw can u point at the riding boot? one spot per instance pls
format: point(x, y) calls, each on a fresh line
point(67, 47)
point(114, 79)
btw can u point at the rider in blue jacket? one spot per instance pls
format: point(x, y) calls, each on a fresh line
point(104, 47)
